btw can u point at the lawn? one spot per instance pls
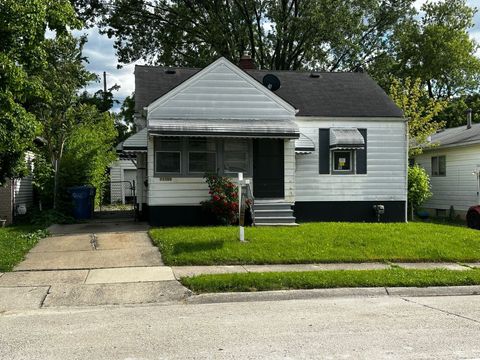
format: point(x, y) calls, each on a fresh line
point(318, 243)
point(15, 242)
point(329, 279)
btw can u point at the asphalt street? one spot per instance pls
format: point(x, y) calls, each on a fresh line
point(383, 327)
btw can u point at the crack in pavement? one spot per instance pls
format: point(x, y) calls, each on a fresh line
point(441, 310)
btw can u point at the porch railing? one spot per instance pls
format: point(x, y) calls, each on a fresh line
point(250, 200)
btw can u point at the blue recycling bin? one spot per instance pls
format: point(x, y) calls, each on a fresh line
point(83, 198)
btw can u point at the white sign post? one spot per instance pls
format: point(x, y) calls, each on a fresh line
point(241, 228)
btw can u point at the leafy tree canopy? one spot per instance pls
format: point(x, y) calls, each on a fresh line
point(124, 120)
point(437, 49)
point(420, 111)
point(22, 57)
point(280, 34)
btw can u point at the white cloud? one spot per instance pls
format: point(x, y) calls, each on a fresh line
point(101, 56)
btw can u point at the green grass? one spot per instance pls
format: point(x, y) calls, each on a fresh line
point(329, 279)
point(318, 242)
point(15, 242)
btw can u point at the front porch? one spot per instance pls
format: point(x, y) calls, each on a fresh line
point(177, 164)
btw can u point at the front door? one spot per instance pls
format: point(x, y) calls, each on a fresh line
point(268, 168)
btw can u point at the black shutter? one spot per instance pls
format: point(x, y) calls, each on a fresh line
point(324, 151)
point(362, 155)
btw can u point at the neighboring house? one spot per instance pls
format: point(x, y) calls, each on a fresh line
point(314, 146)
point(123, 175)
point(16, 196)
point(126, 182)
point(453, 165)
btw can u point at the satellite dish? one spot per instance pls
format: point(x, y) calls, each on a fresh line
point(271, 82)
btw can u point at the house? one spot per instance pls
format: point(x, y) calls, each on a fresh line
point(313, 146)
point(16, 196)
point(123, 176)
point(454, 166)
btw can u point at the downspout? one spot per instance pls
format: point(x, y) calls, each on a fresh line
point(406, 169)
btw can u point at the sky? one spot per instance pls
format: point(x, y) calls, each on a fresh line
point(101, 55)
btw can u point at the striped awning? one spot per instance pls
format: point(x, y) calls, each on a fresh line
point(285, 129)
point(346, 138)
point(304, 145)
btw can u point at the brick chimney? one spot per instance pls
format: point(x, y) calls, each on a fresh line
point(246, 62)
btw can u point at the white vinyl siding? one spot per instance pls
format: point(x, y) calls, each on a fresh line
point(458, 188)
point(386, 163)
point(23, 188)
point(119, 189)
point(175, 190)
point(220, 91)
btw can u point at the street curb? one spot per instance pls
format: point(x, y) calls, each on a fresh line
point(279, 295)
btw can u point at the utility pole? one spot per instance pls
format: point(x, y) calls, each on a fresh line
point(104, 87)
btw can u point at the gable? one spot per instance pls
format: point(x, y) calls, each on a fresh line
point(220, 91)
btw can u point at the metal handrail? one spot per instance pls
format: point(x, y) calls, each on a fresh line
point(249, 195)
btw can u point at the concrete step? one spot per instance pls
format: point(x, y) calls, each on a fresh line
point(276, 224)
point(274, 220)
point(274, 213)
point(272, 206)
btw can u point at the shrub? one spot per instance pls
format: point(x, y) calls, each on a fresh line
point(223, 202)
point(418, 187)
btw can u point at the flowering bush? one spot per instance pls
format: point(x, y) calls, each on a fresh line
point(223, 202)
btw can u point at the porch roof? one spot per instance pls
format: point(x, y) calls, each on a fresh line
point(285, 129)
point(346, 138)
point(135, 143)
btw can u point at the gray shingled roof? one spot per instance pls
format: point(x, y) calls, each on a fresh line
point(329, 94)
point(458, 136)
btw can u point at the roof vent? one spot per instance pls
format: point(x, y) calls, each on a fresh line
point(170, 71)
point(271, 82)
point(314, 75)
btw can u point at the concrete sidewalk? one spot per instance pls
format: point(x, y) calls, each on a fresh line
point(187, 271)
point(85, 267)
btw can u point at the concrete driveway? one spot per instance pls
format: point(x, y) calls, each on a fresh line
point(113, 263)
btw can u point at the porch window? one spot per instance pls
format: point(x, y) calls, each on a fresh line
point(235, 156)
point(202, 156)
point(168, 156)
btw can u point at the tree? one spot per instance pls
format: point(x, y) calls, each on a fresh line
point(88, 150)
point(63, 76)
point(437, 49)
point(22, 58)
point(125, 121)
point(418, 187)
point(420, 111)
point(455, 112)
point(282, 34)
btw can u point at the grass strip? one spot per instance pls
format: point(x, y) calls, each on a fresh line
point(15, 242)
point(318, 243)
point(246, 282)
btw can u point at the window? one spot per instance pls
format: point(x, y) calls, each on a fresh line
point(196, 156)
point(338, 156)
point(439, 165)
point(168, 156)
point(202, 156)
point(342, 162)
point(235, 156)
